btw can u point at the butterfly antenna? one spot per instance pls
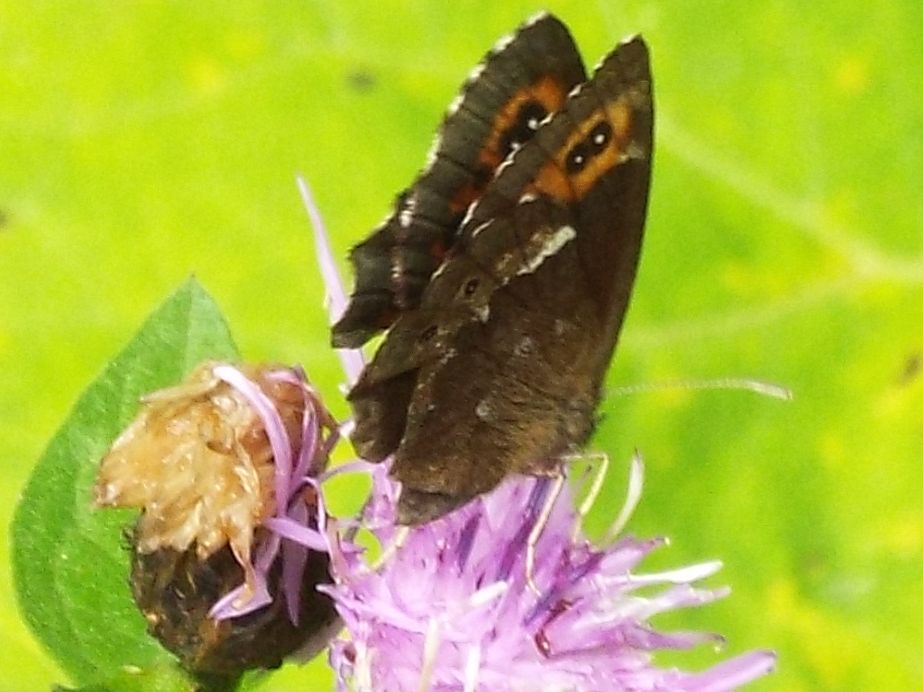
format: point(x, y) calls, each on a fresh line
point(760, 387)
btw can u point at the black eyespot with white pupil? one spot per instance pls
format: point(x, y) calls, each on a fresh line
point(589, 147)
point(523, 128)
point(578, 157)
point(531, 114)
point(470, 287)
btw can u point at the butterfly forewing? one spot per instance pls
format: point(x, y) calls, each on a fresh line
point(521, 81)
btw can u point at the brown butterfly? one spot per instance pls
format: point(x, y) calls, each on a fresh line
point(504, 272)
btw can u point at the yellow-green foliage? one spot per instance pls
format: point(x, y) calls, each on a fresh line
point(144, 141)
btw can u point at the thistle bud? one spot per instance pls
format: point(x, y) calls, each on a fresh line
point(209, 462)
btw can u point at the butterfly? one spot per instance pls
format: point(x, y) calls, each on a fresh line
point(504, 272)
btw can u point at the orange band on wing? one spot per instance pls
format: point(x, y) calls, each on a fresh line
point(548, 92)
point(554, 180)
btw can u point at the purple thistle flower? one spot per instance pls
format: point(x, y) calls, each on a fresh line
point(451, 607)
point(506, 593)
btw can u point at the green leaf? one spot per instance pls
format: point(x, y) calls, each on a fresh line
point(70, 563)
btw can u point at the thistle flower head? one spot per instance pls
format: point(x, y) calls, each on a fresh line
point(456, 605)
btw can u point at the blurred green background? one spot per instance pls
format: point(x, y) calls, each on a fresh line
point(144, 141)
